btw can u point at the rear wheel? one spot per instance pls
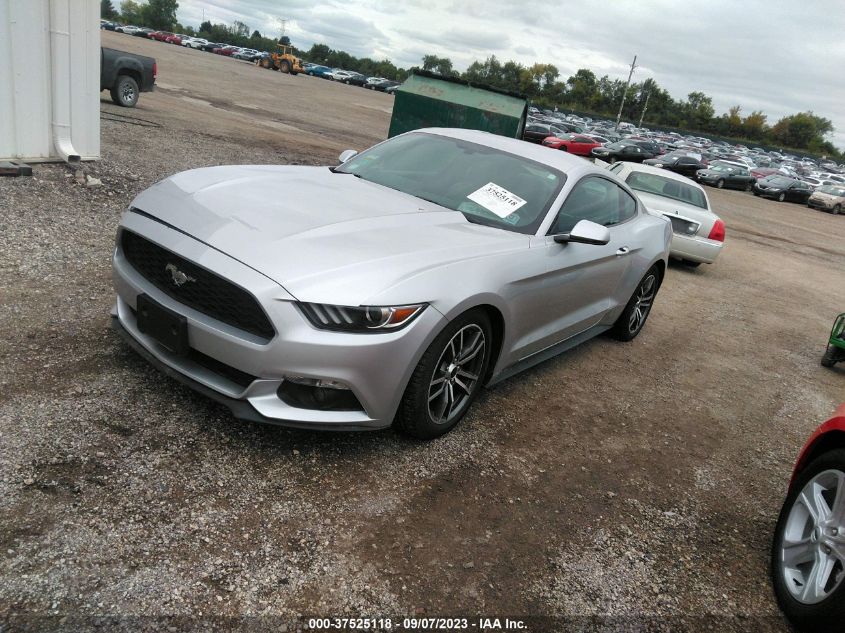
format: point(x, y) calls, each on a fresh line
point(749, 186)
point(807, 560)
point(125, 91)
point(447, 378)
point(634, 316)
point(831, 356)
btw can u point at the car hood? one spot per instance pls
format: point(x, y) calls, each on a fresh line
point(323, 236)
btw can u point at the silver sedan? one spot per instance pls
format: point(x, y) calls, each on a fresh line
point(386, 290)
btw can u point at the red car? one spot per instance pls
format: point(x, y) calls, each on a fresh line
point(228, 51)
point(174, 39)
point(762, 172)
point(573, 143)
point(808, 548)
point(160, 36)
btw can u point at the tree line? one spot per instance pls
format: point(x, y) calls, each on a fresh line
point(582, 92)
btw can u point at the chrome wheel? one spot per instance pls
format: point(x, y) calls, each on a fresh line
point(812, 553)
point(456, 374)
point(642, 303)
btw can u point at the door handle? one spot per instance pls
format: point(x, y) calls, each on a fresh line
point(623, 251)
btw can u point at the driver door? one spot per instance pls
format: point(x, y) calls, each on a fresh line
point(583, 281)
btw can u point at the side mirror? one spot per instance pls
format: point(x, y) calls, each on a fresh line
point(346, 154)
point(585, 232)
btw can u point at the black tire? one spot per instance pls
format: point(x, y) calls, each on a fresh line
point(828, 614)
point(284, 66)
point(414, 417)
point(612, 160)
point(623, 330)
point(720, 184)
point(563, 148)
point(125, 92)
point(749, 186)
point(830, 356)
point(837, 209)
point(781, 197)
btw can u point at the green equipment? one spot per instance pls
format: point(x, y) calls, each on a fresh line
point(835, 351)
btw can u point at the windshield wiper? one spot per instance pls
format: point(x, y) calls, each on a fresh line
point(336, 170)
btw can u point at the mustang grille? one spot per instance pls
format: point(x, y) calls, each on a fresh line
point(199, 289)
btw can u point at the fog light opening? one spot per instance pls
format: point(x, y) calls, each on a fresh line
point(318, 394)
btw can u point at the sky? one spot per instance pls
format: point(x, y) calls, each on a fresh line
point(778, 56)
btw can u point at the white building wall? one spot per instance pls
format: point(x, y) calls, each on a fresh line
point(28, 87)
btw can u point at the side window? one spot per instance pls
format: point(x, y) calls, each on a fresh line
point(595, 199)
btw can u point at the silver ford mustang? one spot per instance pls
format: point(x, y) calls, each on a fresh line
point(386, 290)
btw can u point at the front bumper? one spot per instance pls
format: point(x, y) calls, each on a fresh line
point(375, 367)
point(824, 205)
point(694, 248)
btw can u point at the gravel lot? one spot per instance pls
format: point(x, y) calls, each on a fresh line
point(618, 486)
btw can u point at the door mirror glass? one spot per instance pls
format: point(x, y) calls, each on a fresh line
point(346, 154)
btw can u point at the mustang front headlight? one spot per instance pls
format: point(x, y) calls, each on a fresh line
point(362, 319)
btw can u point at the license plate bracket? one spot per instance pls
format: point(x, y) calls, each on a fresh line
point(162, 324)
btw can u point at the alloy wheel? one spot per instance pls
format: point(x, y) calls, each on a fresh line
point(456, 374)
point(812, 553)
point(128, 93)
point(642, 306)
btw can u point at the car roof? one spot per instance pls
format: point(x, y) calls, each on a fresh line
point(573, 166)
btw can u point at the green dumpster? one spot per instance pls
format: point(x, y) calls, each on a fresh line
point(429, 100)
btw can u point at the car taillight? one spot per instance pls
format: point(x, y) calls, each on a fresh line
point(717, 232)
point(155, 70)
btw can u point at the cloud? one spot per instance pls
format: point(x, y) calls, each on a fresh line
point(782, 57)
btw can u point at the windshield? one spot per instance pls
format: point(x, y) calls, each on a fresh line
point(487, 185)
point(833, 191)
point(722, 167)
point(778, 181)
point(667, 188)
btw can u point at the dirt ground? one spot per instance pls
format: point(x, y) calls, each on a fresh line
point(617, 487)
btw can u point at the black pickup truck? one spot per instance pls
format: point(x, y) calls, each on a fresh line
point(126, 75)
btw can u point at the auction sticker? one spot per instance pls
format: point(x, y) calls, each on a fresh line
point(497, 199)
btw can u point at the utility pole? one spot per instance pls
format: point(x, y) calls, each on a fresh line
point(627, 83)
point(645, 107)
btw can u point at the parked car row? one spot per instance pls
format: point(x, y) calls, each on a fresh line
point(252, 55)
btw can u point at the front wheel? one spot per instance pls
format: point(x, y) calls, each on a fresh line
point(125, 91)
point(749, 186)
point(807, 560)
point(782, 197)
point(285, 66)
point(448, 377)
point(720, 184)
point(634, 316)
point(837, 209)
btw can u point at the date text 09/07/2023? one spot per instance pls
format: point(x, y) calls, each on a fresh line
point(416, 624)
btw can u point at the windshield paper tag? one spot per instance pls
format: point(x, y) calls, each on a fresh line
point(497, 199)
